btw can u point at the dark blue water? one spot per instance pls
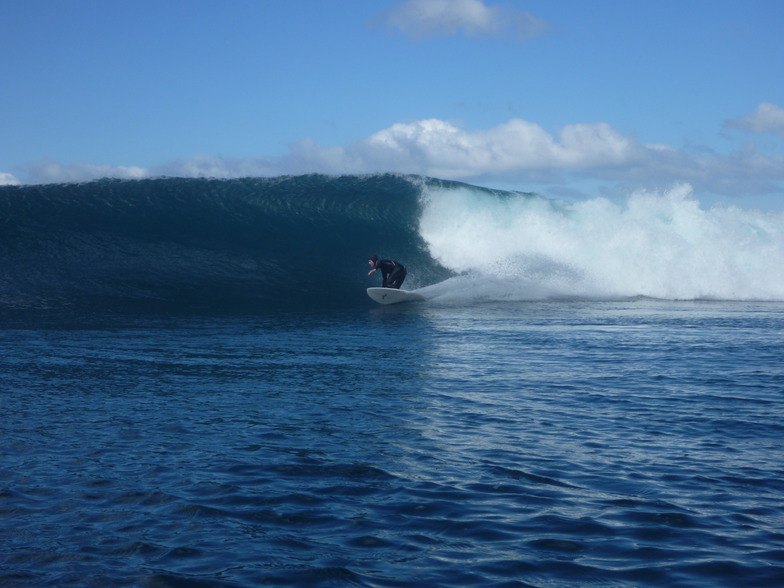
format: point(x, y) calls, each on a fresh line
point(207, 245)
point(549, 443)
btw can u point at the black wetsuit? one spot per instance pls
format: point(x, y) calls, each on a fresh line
point(392, 272)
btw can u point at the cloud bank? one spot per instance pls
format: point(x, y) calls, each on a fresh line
point(517, 152)
point(430, 18)
point(767, 118)
point(48, 171)
point(7, 179)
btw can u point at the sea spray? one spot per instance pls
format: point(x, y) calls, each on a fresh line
point(656, 244)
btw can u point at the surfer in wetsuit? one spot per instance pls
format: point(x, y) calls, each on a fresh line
point(392, 272)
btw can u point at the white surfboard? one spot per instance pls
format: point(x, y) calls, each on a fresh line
point(393, 296)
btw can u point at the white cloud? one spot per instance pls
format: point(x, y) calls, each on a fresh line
point(7, 179)
point(518, 152)
point(430, 18)
point(767, 118)
point(438, 147)
point(48, 171)
point(522, 151)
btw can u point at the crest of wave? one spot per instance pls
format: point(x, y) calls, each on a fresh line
point(656, 244)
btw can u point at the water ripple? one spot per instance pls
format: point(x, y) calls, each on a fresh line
point(562, 469)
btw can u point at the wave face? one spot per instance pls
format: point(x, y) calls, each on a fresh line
point(296, 242)
point(303, 241)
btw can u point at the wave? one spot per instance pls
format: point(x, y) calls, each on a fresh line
point(213, 244)
point(303, 242)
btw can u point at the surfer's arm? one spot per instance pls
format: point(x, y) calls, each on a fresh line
point(374, 270)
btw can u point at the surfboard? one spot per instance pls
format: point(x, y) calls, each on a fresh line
point(393, 296)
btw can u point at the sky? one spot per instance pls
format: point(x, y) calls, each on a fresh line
point(569, 99)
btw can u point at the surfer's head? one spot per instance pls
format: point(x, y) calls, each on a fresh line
point(373, 260)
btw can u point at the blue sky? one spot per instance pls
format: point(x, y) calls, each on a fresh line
point(569, 99)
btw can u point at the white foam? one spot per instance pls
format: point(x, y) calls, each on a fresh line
point(662, 245)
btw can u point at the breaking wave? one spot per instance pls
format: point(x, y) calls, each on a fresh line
point(303, 241)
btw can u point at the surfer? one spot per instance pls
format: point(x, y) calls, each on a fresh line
point(392, 272)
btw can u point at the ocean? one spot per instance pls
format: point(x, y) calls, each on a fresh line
point(197, 391)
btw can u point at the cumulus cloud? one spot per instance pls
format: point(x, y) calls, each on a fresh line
point(516, 151)
point(430, 147)
point(430, 18)
point(7, 179)
point(439, 147)
point(767, 118)
point(522, 151)
point(48, 171)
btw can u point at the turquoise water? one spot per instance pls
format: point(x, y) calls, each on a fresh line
point(541, 443)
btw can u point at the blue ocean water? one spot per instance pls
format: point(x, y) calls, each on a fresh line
point(564, 410)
